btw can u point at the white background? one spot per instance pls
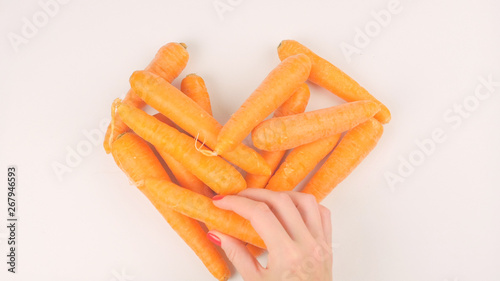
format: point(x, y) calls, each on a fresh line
point(441, 223)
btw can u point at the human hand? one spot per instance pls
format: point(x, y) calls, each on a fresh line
point(295, 228)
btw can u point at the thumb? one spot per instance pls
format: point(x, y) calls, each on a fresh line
point(238, 254)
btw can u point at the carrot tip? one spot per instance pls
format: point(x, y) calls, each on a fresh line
point(184, 45)
point(114, 106)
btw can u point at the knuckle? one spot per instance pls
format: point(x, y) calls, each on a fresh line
point(292, 255)
point(309, 199)
point(322, 252)
point(231, 254)
point(283, 198)
point(325, 211)
point(313, 248)
point(294, 259)
point(261, 209)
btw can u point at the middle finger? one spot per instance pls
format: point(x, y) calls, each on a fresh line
point(284, 208)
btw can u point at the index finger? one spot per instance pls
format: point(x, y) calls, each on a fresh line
point(260, 216)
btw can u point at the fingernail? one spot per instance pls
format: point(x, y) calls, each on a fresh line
point(218, 197)
point(213, 238)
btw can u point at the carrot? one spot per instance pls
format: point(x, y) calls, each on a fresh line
point(328, 76)
point(300, 162)
point(273, 159)
point(168, 63)
point(201, 208)
point(219, 175)
point(194, 87)
point(291, 131)
point(276, 88)
point(137, 160)
point(134, 156)
point(295, 104)
point(189, 116)
point(352, 149)
point(254, 250)
point(170, 60)
point(185, 178)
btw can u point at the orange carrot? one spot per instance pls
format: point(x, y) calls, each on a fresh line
point(291, 131)
point(185, 178)
point(189, 116)
point(254, 250)
point(300, 162)
point(276, 88)
point(194, 87)
point(352, 149)
point(170, 60)
point(164, 119)
point(137, 160)
point(201, 208)
point(168, 63)
point(273, 159)
point(219, 175)
point(331, 78)
point(134, 156)
point(295, 104)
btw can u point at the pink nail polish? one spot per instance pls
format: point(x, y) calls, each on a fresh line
point(213, 238)
point(218, 197)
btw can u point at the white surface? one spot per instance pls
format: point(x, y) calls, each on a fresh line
point(440, 224)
